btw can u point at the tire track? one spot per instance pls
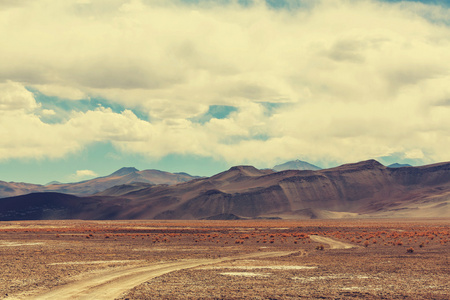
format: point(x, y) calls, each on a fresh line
point(332, 243)
point(115, 283)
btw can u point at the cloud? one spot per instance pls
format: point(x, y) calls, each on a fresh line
point(414, 154)
point(80, 174)
point(25, 135)
point(63, 92)
point(348, 80)
point(14, 96)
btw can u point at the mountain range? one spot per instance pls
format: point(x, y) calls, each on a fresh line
point(126, 175)
point(359, 190)
point(89, 187)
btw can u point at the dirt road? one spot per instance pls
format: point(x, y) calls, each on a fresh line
point(332, 243)
point(115, 283)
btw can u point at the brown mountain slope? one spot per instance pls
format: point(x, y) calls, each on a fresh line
point(9, 189)
point(365, 189)
point(96, 185)
point(362, 188)
point(119, 177)
point(57, 206)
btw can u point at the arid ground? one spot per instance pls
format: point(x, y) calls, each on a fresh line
point(259, 259)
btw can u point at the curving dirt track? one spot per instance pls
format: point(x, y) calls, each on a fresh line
point(113, 284)
point(332, 243)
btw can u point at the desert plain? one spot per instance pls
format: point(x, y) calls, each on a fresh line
point(243, 259)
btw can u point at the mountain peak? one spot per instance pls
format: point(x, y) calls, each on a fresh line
point(362, 165)
point(124, 171)
point(243, 168)
point(246, 170)
point(52, 182)
point(371, 163)
point(238, 171)
point(295, 165)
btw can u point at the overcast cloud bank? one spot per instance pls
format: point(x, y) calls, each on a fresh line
point(330, 81)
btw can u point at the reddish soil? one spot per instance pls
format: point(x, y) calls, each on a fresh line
point(389, 259)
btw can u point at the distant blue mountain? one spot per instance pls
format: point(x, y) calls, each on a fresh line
point(124, 171)
point(397, 165)
point(296, 165)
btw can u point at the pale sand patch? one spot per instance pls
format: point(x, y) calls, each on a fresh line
point(93, 262)
point(171, 249)
point(333, 243)
point(262, 267)
point(26, 226)
point(351, 288)
point(248, 274)
point(341, 276)
point(16, 244)
point(313, 278)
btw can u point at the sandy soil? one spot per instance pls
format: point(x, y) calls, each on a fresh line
point(225, 260)
point(330, 242)
point(113, 283)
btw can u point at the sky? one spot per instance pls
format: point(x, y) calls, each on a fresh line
point(198, 86)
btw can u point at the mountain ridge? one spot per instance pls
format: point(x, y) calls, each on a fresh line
point(123, 171)
point(363, 189)
point(125, 175)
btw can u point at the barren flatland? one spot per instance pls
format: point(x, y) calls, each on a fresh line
point(258, 259)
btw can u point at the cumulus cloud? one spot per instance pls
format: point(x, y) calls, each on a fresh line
point(81, 174)
point(48, 112)
point(14, 96)
point(24, 134)
point(348, 80)
point(414, 154)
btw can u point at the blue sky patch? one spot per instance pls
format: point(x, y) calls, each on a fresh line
point(63, 107)
point(214, 112)
point(93, 158)
point(399, 158)
point(433, 2)
point(277, 4)
point(270, 107)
